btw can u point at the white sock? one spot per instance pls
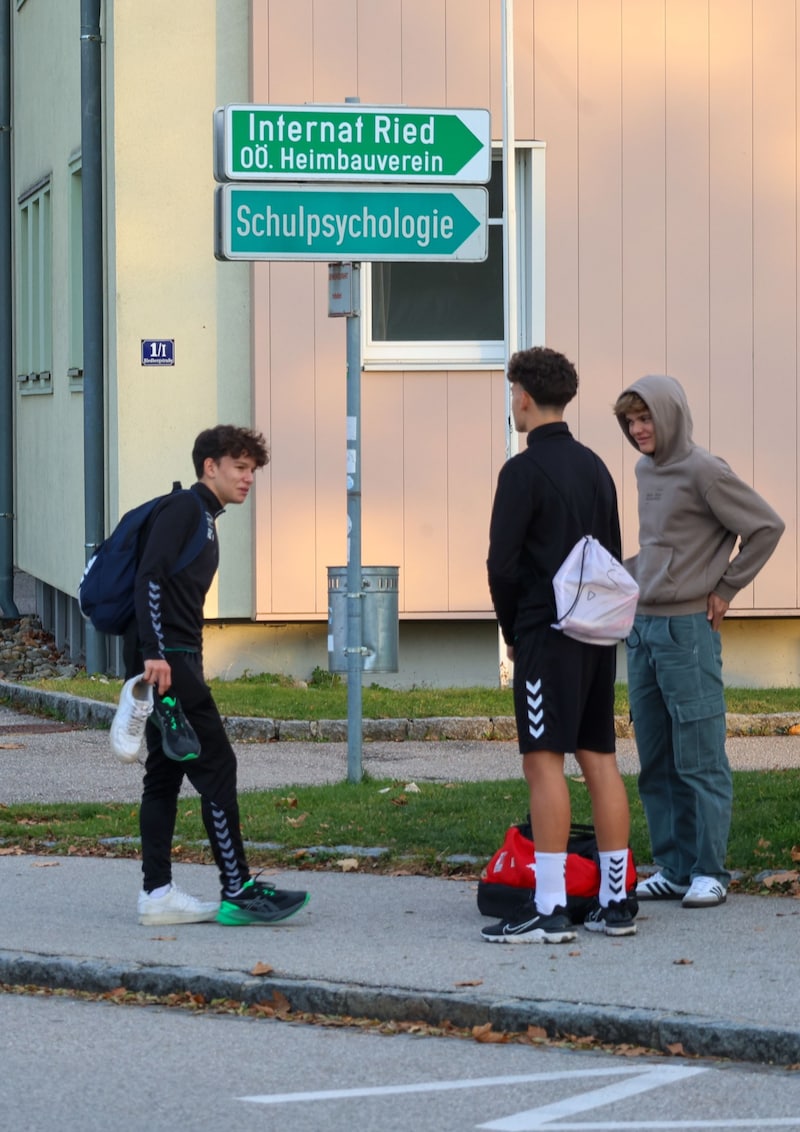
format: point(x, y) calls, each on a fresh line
point(550, 884)
point(157, 893)
point(613, 869)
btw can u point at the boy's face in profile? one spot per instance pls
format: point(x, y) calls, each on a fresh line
point(642, 430)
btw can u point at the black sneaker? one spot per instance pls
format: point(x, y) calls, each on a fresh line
point(615, 919)
point(555, 928)
point(178, 739)
point(259, 903)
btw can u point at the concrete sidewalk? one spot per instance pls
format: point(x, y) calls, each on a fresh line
point(716, 982)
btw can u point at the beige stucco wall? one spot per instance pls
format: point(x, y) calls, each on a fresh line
point(165, 71)
point(757, 653)
point(166, 76)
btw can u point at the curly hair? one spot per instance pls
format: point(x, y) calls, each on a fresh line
point(547, 376)
point(229, 440)
point(628, 402)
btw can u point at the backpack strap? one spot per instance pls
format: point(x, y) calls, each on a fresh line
point(198, 539)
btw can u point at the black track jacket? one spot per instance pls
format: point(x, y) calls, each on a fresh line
point(169, 607)
point(548, 496)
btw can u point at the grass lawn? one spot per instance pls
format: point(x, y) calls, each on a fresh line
point(421, 831)
point(325, 697)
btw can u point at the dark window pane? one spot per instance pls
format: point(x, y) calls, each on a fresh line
point(423, 302)
point(444, 302)
point(495, 188)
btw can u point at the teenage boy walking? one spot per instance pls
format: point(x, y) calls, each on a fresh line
point(547, 497)
point(692, 511)
point(165, 644)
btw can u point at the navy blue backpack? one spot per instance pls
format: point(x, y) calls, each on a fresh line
point(106, 590)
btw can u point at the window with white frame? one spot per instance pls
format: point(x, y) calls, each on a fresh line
point(447, 315)
point(35, 290)
point(75, 363)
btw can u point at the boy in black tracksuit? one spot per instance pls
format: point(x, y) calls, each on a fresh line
point(548, 497)
point(165, 643)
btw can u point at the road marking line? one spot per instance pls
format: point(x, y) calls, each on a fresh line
point(534, 1118)
point(469, 1083)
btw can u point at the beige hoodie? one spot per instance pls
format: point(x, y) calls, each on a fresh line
point(692, 509)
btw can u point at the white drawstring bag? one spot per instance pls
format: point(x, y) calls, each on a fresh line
point(595, 595)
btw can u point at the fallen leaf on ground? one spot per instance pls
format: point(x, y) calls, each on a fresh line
point(348, 864)
point(469, 983)
point(487, 1035)
point(788, 877)
point(45, 864)
point(683, 962)
point(412, 788)
point(262, 969)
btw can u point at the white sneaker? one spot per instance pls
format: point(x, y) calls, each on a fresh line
point(175, 907)
point(657, 887)
point(127, 727)
point(705, 892)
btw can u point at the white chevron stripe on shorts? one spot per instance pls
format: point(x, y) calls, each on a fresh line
point(535, 709)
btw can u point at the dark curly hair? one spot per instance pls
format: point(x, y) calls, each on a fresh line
point(229, 440)
point(547, 376)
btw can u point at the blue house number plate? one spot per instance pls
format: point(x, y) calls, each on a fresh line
point(158, 351)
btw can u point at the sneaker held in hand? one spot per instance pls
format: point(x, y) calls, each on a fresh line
point(178, 739)
point(127, 727)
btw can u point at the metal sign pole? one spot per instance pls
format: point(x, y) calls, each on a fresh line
point(354, 595)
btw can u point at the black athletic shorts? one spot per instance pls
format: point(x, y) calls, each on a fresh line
point(563, 693)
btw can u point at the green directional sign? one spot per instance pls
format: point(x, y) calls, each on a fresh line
point(352, 143)
point(332, 223)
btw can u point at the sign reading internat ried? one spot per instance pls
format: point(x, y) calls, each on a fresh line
point(352, 143)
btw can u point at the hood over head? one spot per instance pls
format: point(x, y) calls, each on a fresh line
point(672, 418)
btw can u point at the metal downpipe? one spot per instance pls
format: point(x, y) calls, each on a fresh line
point(6, 326)
point(93, 302)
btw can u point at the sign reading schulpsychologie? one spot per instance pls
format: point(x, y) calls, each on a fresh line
point(344, 222)
point(352, 143)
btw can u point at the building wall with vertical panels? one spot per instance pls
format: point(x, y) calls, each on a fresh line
point(429, 439)
point(671, 227)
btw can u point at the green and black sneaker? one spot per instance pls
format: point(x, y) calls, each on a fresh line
point(178, 739)
point(259, 903)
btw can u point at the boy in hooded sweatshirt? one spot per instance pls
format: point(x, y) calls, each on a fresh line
point(692, 510)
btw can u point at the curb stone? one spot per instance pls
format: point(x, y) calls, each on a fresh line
point(653, 1029)
point(93, 713)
